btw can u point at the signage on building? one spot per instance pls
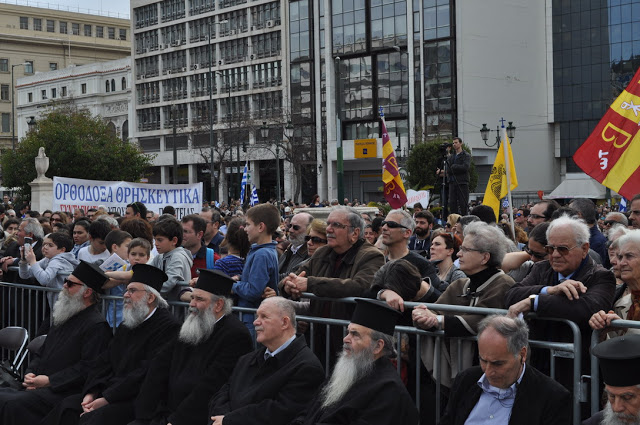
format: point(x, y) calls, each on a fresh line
point(365, 148)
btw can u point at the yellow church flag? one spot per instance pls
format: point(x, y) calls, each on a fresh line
point(498, 186)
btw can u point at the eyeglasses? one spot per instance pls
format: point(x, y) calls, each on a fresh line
point(562, 250)
point(70, 283)
point(519, 215)
point(465, 250)
point(132, 291)
point(536, 254)
point(392, 225)
point(295, 227)
point(314, 239)
point(610, 222)
point(537, 216)
point(337, 225)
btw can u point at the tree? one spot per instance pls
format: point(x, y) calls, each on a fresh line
point(78, 145)
point(423, 161)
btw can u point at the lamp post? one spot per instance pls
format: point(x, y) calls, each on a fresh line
point(175, 147)
point(13, 109)
point(484, 133)
point(221, 74)
point(31, 122)
point(288, 133)
point(264, 132)
point(211, 144)
point(339, 157)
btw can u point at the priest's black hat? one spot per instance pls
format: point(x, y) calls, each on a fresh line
point(375, 315)
point(619, 358)
point(149, 275)
point(91, 275)
point(214, 281)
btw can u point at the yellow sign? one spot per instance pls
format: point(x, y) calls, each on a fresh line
point(365, 148)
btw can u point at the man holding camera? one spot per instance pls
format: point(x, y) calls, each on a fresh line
point(457, 177)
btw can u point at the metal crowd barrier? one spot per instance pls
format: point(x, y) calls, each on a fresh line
point(25, 305)
point(596, 336)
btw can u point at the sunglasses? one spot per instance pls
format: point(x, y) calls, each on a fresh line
point(295, 227)
point(562, 250)
point(70, 283)
point(539, 255)
point(610, 222)
point(519, 215)
point(392, 225)
point(537, 216)
point(314, 239)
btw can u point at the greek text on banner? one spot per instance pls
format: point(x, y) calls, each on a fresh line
point(69, 194)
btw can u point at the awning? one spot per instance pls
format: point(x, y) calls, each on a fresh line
point(579, 185)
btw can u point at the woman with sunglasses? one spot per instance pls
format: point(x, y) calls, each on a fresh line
point(444, 251)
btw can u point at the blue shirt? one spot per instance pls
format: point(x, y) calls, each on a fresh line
point(288, 342)
point(495, 404)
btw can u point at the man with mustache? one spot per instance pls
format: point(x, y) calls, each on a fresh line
point(183, 377)
point(619, 365)
point(273, 384)
point(114, 382)
point(78, 335)
point(364, 386)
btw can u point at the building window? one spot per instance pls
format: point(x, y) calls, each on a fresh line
point(44, 94)
point(107, 86)
point(51, 25)
point(6, 123)
point(63, 27)
point(124, 83)
point(64, 91)
point(113, 85)
point(87, 30)
point(37, 24)
point(53, 66)
point(4, 92)
point(24, 23)
point(30, 97)
point(112, 33)
point(75, 28)
point(4, 65)
point(99, 32)
point(123, 34)
point(83, 88)
point(54, 93)
point(28, 67)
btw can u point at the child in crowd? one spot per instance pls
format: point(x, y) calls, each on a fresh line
point(53, 269)
point(117, 242)
point(237, 243)
point(172, 258)
point(261, 267)
point(97, 250)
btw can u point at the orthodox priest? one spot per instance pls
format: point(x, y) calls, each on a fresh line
point(183, 377)
point(78, 335)
point(115, 381)
point(364, 386)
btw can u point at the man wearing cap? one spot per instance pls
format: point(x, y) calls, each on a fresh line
point(183, 377)
point(77, 337)
point(364, 386)
point(114, 382)
point(273, 384)
point(619, 358)
point(504, 389)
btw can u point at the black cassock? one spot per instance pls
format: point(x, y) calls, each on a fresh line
point(271, 391)
point(68, 355)
point(378, 398)
point(119, 372)
point(183, 377)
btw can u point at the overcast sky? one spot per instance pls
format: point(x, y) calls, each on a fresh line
point(113, 7)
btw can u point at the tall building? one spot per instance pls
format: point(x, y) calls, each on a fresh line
point(36, 40)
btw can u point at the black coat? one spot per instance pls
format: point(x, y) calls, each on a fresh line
point(378, 398)
point(272, 391)
point(183, 377)
point(539, 399)
point(459, 166)
point(596, 419)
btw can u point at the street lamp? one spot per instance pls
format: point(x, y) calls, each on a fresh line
point(13, 109)
point(339, 154)
point(211, 144)
point(31, 122)
point(264, 132)
point(175, 147)
point(484, 133)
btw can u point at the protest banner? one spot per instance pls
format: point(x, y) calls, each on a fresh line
point(69, 194)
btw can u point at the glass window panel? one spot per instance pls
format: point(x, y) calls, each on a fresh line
point(401, 24)
point(443, 15)
point(336, 6)
point(430, 18)
point(376, 29)
point(376, 13)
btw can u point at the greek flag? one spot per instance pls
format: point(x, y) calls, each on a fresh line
point(254, 197)
point(244, 183)
point(623, 204)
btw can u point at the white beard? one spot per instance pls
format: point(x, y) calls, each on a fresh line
point(613, 418)
point(349, 369)
point(67, 306)
point(134, 316)
point(197, 327)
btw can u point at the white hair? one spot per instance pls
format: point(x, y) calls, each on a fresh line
point(578, 228)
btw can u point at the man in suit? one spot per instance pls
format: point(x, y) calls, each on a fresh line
point(457, 174)
point(504, 389)
point(619, 365)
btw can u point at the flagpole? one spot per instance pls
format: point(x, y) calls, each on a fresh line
point(503, 134)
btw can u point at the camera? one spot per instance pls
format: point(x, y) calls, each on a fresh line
point(445, 146)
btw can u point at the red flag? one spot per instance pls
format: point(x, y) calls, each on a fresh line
point(611, 154)
point(394, 191)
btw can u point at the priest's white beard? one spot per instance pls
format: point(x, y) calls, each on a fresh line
point(197, 327)
point(613, 418)
point(67, 306)
point(134, 315)
point(348, 370)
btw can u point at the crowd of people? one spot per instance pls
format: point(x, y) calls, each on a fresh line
point(129, 360)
